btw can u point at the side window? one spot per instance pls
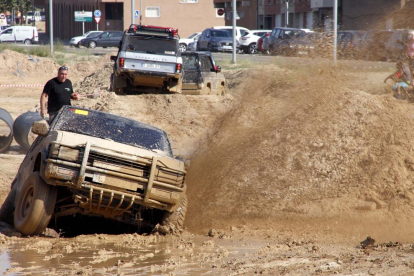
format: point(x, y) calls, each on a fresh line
point(206, 65)
point(105, 35)
point(273, 32)
point(243, 32)
point(9, 31)
point(208, 33)
point(117, 35)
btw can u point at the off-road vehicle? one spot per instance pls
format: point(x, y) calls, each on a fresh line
point(202, 75)
point(98, 164)
point(148, 60)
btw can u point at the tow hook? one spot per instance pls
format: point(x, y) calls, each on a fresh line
point(81, 200)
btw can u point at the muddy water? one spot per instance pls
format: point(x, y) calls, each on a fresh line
point(126, 254)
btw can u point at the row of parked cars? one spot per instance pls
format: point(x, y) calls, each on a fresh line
point(370, 45)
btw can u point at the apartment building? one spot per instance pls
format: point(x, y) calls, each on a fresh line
point(188, 16)
point(316, 14)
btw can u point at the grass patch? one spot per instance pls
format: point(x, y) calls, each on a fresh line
point(241, 64)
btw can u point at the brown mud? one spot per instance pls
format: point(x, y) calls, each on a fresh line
point(292, 169)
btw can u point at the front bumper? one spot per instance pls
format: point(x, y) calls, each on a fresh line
point(109, 183)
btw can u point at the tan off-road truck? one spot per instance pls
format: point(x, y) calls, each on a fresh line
point(98, 164)
point(201, 75)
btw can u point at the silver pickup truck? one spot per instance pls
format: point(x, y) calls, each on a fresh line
point(148, 60)
point(98, 164)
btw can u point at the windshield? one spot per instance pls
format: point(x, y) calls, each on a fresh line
point(151, 45)
point(112, 127)
point(193, 35)
point(220, 33)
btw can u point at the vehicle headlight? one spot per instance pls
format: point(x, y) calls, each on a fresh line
point(214, 43)
point(64, 153)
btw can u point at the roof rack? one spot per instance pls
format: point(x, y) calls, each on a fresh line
point(152, 30)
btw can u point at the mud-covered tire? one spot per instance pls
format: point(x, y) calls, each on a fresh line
point(7, 209)
point(173, 223)
point(27, 42)
point(222, 90)
point(34, 206)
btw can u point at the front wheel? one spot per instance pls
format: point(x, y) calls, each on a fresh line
point(183, 47)
point(27, 42)
point(173, 223)
point(92, 44)
point(34, 205)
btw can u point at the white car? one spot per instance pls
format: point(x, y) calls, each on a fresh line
point(185, 41)
point(75, 40)
point(248, 42)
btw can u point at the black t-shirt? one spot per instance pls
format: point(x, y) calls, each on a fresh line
point(59, 94)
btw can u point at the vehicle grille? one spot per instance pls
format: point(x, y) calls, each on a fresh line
point(119, 162)
point(226, 44)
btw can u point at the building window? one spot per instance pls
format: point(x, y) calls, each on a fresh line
point(152, 12)
point(246, 3)
point(227, 5)
point(188, 1)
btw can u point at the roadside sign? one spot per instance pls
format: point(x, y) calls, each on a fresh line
point(220, 12)
point(2, 16)
point(136, 14)
point(3, 22)
point(97, 13)
point(97, 19)
point(83, 16)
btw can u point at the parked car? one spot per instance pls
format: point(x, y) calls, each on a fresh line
point(42, 16)
point(399, 44)
point(201, 74)
point(26, 34)
point(192, 46)
point(33, 16)
point(261, 42)
point(240, 31)
point(214, 40)
point(248, 41)
point(373, 44)
point(279, 39)
point(349, 43)
point(74, 41)
point(105, 39)
point(303, 45)
point(185, 41)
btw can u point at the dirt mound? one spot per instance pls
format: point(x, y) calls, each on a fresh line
point(300, 147)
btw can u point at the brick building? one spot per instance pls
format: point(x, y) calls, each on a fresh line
point(188, 16)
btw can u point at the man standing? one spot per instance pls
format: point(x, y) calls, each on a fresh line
point(58, 92)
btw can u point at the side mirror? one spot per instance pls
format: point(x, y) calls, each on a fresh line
point(207, 35)
point(218, 69)
point(113, 58)
point(40, 128)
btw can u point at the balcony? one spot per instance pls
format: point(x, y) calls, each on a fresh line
point(322, 4)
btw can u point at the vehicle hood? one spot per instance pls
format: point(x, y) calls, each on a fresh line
point(186, 40)
point(78, 37)
point(75, 139)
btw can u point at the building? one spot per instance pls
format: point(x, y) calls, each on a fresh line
point(318, 14)
point(188, 16)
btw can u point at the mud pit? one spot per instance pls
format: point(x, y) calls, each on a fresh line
point(297, 165)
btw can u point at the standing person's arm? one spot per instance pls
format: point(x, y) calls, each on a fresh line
point(43, 100)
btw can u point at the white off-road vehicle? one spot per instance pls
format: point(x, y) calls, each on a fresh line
point(96, 164)
point(148, 60)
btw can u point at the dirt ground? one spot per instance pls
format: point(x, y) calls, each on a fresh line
point(287, 174)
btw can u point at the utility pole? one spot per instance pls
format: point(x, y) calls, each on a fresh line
point(287, 13)
point(140, 12)
point(51, 25)
point(335, 29)
point(132, 11)
point(234, 31)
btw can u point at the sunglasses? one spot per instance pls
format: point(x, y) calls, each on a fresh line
point(63, 68)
